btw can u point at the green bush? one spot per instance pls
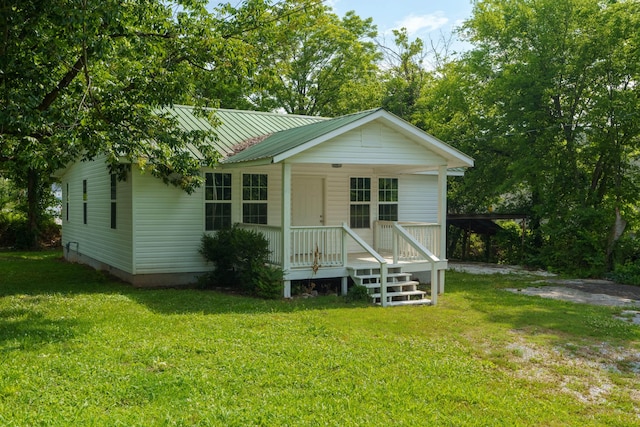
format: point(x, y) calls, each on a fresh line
point(240, 259)
point(358, 293)
point(268, 282)
point(576, 244)
point(628, 274)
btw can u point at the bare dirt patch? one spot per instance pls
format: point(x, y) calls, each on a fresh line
point(585, 291)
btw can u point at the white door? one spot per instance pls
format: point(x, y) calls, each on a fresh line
point(307, 201)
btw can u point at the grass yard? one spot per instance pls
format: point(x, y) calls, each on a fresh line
point(77, 348)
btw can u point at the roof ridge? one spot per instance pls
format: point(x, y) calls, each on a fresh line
point(265, 113)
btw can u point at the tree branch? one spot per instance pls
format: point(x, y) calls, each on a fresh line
point(66, 80)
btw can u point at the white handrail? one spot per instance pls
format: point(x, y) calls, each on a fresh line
point(400, 232)
point(377, 256)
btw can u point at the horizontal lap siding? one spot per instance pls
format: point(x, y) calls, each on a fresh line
point(418, 196)
point(168, 226)
point(97, 239)
point(169, 223)
point(373, 144)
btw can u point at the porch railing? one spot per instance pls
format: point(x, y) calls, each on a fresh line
point(427, 235)
point(316, 247)
point(273, 235)
point(310, 246)
point(406, 245)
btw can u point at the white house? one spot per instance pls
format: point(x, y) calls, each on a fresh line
point(360, 196)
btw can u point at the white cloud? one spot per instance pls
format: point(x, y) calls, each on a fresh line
point(422, 23)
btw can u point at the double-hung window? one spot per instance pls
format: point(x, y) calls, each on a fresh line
point(388, 199)
point(360, 206)
point(217, 201)
point(114, 186)
point(254, 198)
point(66, 206)
point(84, 201)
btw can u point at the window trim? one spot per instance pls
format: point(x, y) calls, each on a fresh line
point(114, 196)
point(255, 196)
point(85, 197)
point(381, 196)
point(359, 197)
point(211, 201)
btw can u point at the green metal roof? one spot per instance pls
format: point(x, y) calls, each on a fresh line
point(286, 140)
point(237, 126)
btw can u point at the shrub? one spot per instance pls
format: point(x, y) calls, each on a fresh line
point(268, 282)
point(240, 258)
point(358, 293)
point(628, 274)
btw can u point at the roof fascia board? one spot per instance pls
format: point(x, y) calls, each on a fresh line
point(246, 164)
point(441, 147)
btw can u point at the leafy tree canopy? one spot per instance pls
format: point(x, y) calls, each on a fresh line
point(547, 100)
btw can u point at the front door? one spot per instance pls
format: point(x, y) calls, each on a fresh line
point(307, 201)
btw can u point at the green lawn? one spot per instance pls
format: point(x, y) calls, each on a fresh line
point(77, 348)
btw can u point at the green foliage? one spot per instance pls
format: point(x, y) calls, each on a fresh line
point(268, 282)
point(628, 274)
point(316, 63)
point(509, 244)
point(626, 261)
point(576, 244)
point(240, 258)
point(545, 102)
point(14, 228)
point(357, 293)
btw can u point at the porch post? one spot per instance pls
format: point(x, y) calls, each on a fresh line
point(286, 225)
point(442, 211)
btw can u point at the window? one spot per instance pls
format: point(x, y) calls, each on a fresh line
point(84, 201)
point(360, 195)
point(114, 186)
point(254, 196)
point(388, 199)
point(217, 194)
point(66, 206)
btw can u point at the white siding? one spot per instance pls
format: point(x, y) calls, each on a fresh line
point(168, 227)
point(169, 223)
point(418, 198)
point(417, 194)
point(97, 239)
point(372, 144)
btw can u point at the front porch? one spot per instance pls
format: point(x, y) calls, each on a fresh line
point(384, 267)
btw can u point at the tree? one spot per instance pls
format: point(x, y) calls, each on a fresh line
point(558, 105)
point(315, 63)
point(405, 74)
point(89, 78)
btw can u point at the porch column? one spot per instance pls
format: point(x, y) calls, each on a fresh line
point(442, 210)
point(286, 225)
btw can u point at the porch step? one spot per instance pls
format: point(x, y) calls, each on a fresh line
point(423, 301)
point(410, 285)
point(400, 294)
point(400, 289)
point(375, 279)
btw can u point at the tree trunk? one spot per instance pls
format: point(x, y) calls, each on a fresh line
point(31, 233)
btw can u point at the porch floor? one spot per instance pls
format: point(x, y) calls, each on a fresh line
point(365, 259)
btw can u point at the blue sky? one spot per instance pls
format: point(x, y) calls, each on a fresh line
point(426, 19)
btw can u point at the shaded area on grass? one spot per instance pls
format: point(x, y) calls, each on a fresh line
point(23, 328)
point(45, 273)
